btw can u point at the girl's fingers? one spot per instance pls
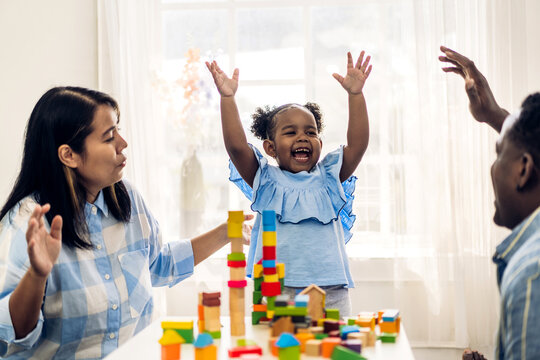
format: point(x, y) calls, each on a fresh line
point(360, 59)
point(349, 60)
point(365, 64)
point(56, 227)
point(368, 71)
point(338, 77)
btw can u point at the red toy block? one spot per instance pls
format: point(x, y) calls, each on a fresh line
point(239, 263)
point(237, 283)
point(269, 271)
point(271, 288)
point(249, 349)
point(269, 252)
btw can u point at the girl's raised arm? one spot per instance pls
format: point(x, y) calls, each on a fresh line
point(234, 137)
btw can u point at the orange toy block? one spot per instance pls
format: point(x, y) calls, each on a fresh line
point(206, 353)
point(272, 346)
point(364, 321)
point(304, 338)
point(328, 344)
point(259, 307)
point(170, 352)
point(390, 326)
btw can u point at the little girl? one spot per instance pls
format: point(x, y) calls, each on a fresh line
point(312, 199)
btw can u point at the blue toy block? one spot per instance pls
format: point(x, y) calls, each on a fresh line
point(301, 300)
point(269, 263)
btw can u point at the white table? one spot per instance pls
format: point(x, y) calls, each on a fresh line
point(145, 344)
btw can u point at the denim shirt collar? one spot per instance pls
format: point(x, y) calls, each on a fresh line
point(511, 244)
point(99, 203)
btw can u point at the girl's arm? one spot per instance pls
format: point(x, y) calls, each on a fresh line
point(43, 250)
point(358, 128)
point(235, 139)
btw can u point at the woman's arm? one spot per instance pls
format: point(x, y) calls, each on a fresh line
point(234, 137)
point(358, 128)
point(43, 250)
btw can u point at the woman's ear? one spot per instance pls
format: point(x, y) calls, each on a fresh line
point(67, 156)
point(269, 148)
point(526, 170)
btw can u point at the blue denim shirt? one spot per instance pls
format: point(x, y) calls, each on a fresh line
point(518, 276)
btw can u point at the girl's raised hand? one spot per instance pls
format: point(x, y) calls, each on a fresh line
point(357, 74)
point(43, 247)
point(225, 85)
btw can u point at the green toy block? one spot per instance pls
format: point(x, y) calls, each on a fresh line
point(332, 314)
point(321, 336)
point(214, 334)
point(257, 297)
point(256, 316)
point(351, 321)
point(342, 353)
point(388, 337)
point(187, 334)
point(290, 311)
point(282, 282)
point(236, 256)
point(271, 302)
point(257, 284)
point(245, 342)
point(289, 353)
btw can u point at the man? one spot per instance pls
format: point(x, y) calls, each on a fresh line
point(516, 183)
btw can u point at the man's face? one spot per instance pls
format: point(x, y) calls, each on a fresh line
point(505, 173)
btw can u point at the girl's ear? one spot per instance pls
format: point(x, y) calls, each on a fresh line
point(67, 156)
point(269, 147)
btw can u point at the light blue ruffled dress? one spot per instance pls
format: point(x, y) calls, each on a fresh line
point(314, 219)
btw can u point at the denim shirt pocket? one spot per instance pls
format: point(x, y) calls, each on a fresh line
point(137, 275)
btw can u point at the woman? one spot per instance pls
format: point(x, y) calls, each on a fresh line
point(81, 286)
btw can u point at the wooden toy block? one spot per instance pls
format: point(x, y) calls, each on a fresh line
point(200, 310)
point(237, 311)
point(342, 353)
point(257, 271)
point(170, 345)
point(316, 301)
point(241, 263)
point(313, 347)
point(236, 216)
point(187, 334)
point(330, 325)
point(303, 338)
point(237, 273)
point(272, 348)
point(206, 353)
point(270, 314)
point(240, 350)
point(281, 270)
point(234, 230)
point(271, 302)
point(301, 300)
point(170, 352)
point(290, 311)
point(259, 308)
point(388, 337)
point(368, 322)
point(327, 346)
point(271, 278)
point(282, 300)
point(332, 314)
point(200, 326)
point(211, 302)
point(250, 357)
point(237, 245)
point(257, 297)
point(389, 326)
point(270, 289)
point(289, 353)
point(256, 317)
point(316, 329)
point(245, 342)
point(214, 334)
point(269, 238)
point(362, 336)
point(371, 337)
point(282, 325)
point(237, 284)
point(177, 325)
point(236, 256)
point(257, 284)
point(321, 336)
point(270, 271)
point(353, 344)
point(269, 252)
point(334, 333)
point(390, 315)
point(346, 330)
point(269, 263)
point(212, 318)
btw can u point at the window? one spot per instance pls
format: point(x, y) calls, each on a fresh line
point(286, 52)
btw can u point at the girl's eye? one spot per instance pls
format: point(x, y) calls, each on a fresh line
point(289, 133)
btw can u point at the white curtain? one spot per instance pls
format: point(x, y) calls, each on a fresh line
point(438, 265)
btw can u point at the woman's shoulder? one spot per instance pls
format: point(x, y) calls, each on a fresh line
point(19, 214)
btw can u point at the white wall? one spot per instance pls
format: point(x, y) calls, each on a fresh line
point(44, 44)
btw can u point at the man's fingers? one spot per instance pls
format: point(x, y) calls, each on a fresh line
point(445, 59)
point(472, 91)
point(454, 70)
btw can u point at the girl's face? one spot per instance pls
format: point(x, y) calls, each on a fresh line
point(296, 145)
point(102, 163)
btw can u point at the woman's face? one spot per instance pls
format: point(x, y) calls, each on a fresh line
point(102, 163)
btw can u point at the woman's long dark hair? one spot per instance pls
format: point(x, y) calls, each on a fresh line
point(63, 115)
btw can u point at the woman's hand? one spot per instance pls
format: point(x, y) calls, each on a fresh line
point(356, 75)
point(226, 86)
point(43, 247)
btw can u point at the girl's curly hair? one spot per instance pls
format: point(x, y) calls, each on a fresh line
point(263, 119)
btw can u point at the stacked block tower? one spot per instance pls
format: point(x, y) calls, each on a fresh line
point(209, 314)
point(236, 261)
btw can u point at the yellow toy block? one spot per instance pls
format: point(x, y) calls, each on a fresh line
point(270, 314)
point(234, 230)
point(281, 270)
point(236, 216)
point(368, 322)
point(303, 338)
point(177, 325)
point(171, 337)
point(257, 271)
point(271, 278)
point(269, 238)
